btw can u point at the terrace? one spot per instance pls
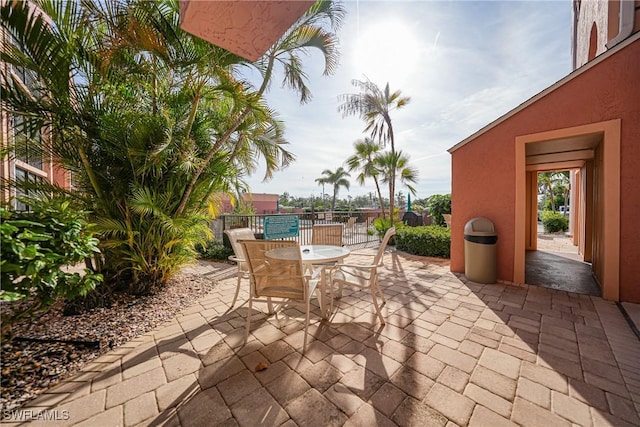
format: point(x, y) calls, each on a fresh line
point(453, 352)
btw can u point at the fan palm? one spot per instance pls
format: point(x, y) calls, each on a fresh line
point(337, 179)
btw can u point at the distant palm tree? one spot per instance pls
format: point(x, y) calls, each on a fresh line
point(549, 181)
point(393, 165)
point(364, 160)
point(564, 184)
point(374, 106)
point(337, 179)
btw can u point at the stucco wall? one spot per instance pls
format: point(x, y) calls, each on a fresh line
point(483, 172)
point(590, 12)
point(261, 202)
point(483, 186)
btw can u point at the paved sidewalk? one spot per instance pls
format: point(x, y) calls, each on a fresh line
point(452, 353)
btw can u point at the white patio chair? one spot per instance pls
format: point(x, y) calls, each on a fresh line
point(235, 235)
point(447, 220)
point(327, 234)
point(363, 275)
point(276, 271)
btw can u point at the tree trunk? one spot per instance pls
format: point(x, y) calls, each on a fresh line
point(375, 179)
point(223, 139)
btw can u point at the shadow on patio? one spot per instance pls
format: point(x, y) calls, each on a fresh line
point(451, 351)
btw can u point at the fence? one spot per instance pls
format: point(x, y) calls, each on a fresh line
point(356, 232)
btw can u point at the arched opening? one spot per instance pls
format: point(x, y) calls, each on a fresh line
point(593, 41)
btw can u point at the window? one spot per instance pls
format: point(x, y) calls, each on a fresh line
point(23, 176)
point(28, 150)
point(27, 138)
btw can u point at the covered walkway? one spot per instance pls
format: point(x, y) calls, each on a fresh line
point(558, 265)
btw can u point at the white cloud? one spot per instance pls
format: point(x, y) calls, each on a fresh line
point(463, 63)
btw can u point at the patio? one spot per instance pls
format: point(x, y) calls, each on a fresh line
point(452, 353)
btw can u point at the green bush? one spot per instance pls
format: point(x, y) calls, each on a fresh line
point(381, 225)
point(214, 249)
point(437, 205)
point(36, 246)
point(431, 240)
point(554, 222)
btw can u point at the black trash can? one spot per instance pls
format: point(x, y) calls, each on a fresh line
point(480, 250)
point(412, 219)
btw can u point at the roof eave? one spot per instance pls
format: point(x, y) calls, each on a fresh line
point(574, 74)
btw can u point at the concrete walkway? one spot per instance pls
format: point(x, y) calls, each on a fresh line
point(452, 353)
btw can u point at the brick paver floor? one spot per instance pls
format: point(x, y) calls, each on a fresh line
point(452, 352)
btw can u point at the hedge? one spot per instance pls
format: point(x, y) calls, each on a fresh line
point(431, 240)
point(554, 222)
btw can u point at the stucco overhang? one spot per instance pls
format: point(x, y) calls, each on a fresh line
point(558, 84)
point(246, 28)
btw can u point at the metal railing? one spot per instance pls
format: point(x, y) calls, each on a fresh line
point(360, 232)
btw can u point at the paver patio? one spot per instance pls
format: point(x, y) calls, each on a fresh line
point(452, 352)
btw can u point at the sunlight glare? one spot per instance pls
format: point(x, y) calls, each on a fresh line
point(386, 52)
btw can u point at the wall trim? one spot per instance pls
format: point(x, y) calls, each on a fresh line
point(611, 175)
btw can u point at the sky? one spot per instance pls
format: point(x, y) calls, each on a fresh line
point(463, 64)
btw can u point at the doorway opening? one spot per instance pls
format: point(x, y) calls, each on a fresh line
point(591, 153)
point(557, 262)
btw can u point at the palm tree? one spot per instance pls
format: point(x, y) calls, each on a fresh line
point(374, 106)
point(563, 184)
point(124, 123)
point(308, 32)
point(153, 123)
point(337, 179)
point(548, 182)
point(392, 165)
point(364, 160)
point(545, 185)
point(401, 199)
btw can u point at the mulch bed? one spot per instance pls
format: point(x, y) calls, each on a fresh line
point(29, 367)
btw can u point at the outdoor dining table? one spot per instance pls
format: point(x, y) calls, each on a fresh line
point(314, 255)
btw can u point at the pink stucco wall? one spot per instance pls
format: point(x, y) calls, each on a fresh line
point(483, 170)
point(261, 202)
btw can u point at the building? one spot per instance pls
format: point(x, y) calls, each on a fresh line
point(260, 203)
point(589, 123)
point(247, 28)
point(29, 163)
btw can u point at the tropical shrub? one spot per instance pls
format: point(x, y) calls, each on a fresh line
point(153, 122)
point(417, 207)
point(36, 245)
point(554, 222)
point(437, 205)
point(431, 240)
point(381, 225)
point(213, 249)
